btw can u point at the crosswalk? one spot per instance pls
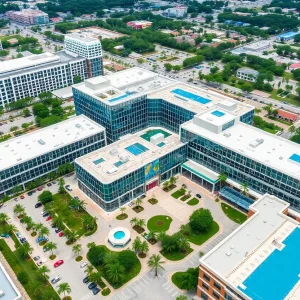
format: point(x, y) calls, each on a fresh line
point(171, 289)
point(87, 296)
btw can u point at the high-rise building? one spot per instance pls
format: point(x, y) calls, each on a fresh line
point(28, 17)
point(31, 75)
point(30, 156)
point(245, 265)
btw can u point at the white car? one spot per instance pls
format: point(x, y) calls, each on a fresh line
point(84, 264)
point(56, 279)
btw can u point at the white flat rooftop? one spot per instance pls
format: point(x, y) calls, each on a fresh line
point(33, 60)
point(41, 141)
point(82, 37)
point(122, 86)
point(106, 164)
point(274, 151)
point(7, 286)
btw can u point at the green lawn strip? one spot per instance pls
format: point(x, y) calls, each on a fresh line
point(233, 214)
point(292, 99)
point(128, 276)
point(159, 223)
point(14, 238)
point(176, 278)
point(280, 121)
point(174, 256)
point(193, 201)
point(18, 264)
point(199, 239)
point(178, 194)
point(185, 197)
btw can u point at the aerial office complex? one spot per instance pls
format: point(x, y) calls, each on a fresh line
point(259, 260)
point(30, 156)
point(28, 17)
point(31, 75)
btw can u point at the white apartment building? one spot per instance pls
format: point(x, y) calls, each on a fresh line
point(247, 74)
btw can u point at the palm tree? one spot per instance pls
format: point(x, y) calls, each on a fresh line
point(4, 218)
point(82, 204)
point(64, 288)
point(38, 227)
point(27, 220)
point(89, 270)
point(244, 188)
point(140, 223)
point(134, 221)
point(183, 244)
point(173, 180)
point(292, 129)
point(138, 202)
point(91, 245)
point(10, 229)
point(58, 221)
point(35, 287)
point(76, 249)
point(187, 282)
point(16, 189)
point(110, 258)
point(166, 184)
point(152, 235)
point(115, 272)
point(144, 247)
point(222, 178)
point(122, 210)
point(44, 231)
point(161, 236)
point(71, 236)
point(136, 245)
point(61, 183)
point(25, 250)
point(155, 263)
point(96, 277)
point(43, 270)
point(51, 246)
point(19, 209)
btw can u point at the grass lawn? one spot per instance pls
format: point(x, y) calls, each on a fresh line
point(199, 239)
point(129, 274)
point(20, 265)
point(72, 218)
point(178, 193)
point(176, 255)
point(292, 99)
point(280, 121)
point(193, 201)
point(159, 223)
point(185, 197)
point(233, 214)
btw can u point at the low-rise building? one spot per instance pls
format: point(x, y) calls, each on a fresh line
point(138, 25)
point(28, 17)
point(258, 46)
point(247, 74)
point(287, 115)
point(287, 36)
point(245, 265)
point(8, 290)
point(30, 156)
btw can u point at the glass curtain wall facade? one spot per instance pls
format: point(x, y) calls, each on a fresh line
point(239, 168)
point(111, 196)
point(46, 163)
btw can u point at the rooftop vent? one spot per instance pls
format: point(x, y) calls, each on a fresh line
point(41, 142)
point(77, 125)
point(256, 143)
point(114, 152)
point(227, 134)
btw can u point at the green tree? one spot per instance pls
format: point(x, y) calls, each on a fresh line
point(43, 270)
point(122, 210)
point(155, 263)
point(244, 188)
point(201, 220)
point(138, 202)
point(61, 183)
point(222, 178)
point(89, 270)
point(144, 247)
point(181, 297)
point(10, 229)
point(64, 288)
point(96, 277)
point(77, 249)
point(26, 112)
point(44, 231)
point(136, 245)
point(4, 218)
point(45, 197)
point(19, 209)
point(51, 246)
point(91, 245)
point(115, 272)
point(25, 250)
point(168, 67)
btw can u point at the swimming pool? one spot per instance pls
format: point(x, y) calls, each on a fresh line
point(136, 149)
point(98, 161)
point(191, 96)
point(121, 97)
point(278, 274)
point(218, 113)
point(295, 157)
point(119, 235)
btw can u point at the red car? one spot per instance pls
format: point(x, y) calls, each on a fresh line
point(61, 234)
point(39, 188)
point(58, 263)
point(22, 197)
point(48, 218)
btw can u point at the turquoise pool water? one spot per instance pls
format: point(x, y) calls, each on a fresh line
point(191, 96)
point(137, 149)
point(121, 97)
point(278, 274)
point(98, 161)
point(218, 113)
point(119, 235)
point(295, 157)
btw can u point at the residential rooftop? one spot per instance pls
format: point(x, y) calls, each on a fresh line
point(270, 150)
point(250, 258)
point(247, 71)
point(41, 141)
point(33, 62)
point(82, 37)
point(128, 154)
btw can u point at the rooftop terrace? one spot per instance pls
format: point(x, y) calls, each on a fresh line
point(28, 146)
point(269, 149)
point(128, 154)
point(250, 258)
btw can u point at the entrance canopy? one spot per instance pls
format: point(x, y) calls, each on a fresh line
point(201, 171)
point(236, 197)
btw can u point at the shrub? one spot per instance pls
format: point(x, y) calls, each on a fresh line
point(45, 197)
point(96, 255)
point(23, 277)
point(127, 259)
point(105, 292)
point(201, 220)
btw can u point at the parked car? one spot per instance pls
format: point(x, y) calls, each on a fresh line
point(84, 264)
point(22, 197)
point(68, 188)
point(23, 240)
point(39, 188)
point(29, 193)
point(86, 280)
point(46, 249)
point(143, 196)
point(16, 199)
point(36, 258)
point(43, 212)
point(198, 196)
point(41, 239)
point(18, 234)
point(1, 205)
point(46, 214)
point(5, 235)
point(58, 263)
point(37, 205)
point(57, 230)
point(48, 218)
point(49, 184)
point(92, 285)
point(96, 290)
point(53, 225)
point(61, 234)
point(56, 279)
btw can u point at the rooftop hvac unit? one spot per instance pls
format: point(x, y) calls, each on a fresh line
point(227, 134)
point(2, 294)
point(114, 152)
point(256, 143)
point(124, 158)
point(41, 142)
point(157, 138)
